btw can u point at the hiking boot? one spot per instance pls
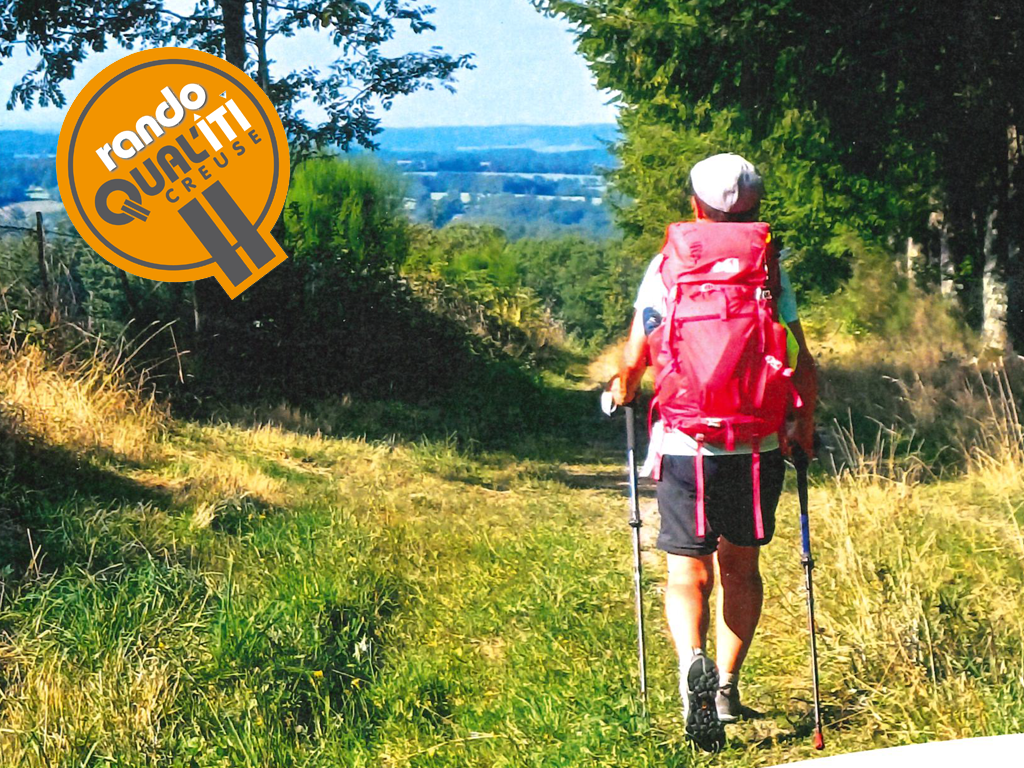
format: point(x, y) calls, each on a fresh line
point(699, 690)
point(727, 702)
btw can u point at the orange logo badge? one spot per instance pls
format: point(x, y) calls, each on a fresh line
point(173, 165)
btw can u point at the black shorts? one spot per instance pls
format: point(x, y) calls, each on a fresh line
point(728, 501)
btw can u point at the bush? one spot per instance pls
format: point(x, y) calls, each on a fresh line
point(583, 286)
point(347, 211)
point(877, 298)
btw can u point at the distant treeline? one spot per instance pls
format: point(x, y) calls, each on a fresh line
point(512, 184)
point(577, 162)
point(520, 217)
point(459, 138)
point(511, 189)
point(28, 143)
point(17, 174)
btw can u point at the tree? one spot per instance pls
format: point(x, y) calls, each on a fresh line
point(64, 32)
point(349, 213)
point(867, 117)
point(587, 283)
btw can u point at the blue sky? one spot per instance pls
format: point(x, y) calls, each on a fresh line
point(527, 71)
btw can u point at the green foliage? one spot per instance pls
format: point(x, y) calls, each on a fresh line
point(87, 289)
point(338, 319)
point(586, 286)
point(812, 201)
point(862, 117)
point(877, 298)
point(459, 249)
point(589, 285)
point(470, 314)
point(468, 274)
point(350, 88)
point(345, 211)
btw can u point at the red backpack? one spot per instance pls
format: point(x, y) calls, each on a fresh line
point(719, 357)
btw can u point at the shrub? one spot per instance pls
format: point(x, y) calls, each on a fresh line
point(346, 211)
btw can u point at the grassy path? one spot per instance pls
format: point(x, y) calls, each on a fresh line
point(222, 596)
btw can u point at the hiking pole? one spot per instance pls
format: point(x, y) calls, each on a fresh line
point(635, 523)
point(609, 407)
point(800, 462)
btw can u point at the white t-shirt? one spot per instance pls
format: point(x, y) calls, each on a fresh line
point(654, 295)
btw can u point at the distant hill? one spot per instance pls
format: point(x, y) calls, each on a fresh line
point(28, 143)
point(531, 180)
point(540, 138)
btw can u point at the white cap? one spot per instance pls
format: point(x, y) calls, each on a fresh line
point(727, 183)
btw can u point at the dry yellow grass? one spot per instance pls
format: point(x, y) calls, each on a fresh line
point(123, 702)
point(606, 364)
point(918, 577)
point(85, 407)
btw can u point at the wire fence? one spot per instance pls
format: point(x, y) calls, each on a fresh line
point(58, 299)
point(32, 231)
point(59, 306)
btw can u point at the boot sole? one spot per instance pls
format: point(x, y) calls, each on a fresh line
point(702, 723)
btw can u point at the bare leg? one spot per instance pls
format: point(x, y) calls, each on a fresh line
point(739, 604)
point(690, 582)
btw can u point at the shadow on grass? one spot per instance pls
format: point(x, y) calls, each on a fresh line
point(502, 411)
point(833, 718)
point(46, 492)
point(372, 358)
point(611, 481)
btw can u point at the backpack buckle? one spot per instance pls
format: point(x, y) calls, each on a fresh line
point(764, 293)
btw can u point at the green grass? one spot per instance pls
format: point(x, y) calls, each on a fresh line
point(262, 597)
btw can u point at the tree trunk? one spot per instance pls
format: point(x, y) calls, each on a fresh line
point(129, 294)
point(913, 260)
point(937, 221)
point(993, 289)
point(260, 14)
point(1014, 233)
point(1012, 237)
point(205, 292)
point(233, 14)
point(195, 310)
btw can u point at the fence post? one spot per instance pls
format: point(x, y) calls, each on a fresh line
point(129, 294)
point(44, 270)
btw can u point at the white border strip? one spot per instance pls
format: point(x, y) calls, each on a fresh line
point(988, 751)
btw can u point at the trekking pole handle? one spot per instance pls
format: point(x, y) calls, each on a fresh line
point(634, 480)
point(608, 406)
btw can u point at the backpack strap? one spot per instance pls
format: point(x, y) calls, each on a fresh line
point(699, 473)
point(669, 271)
point(755, 478)
point(774, 281)
point(656, 468)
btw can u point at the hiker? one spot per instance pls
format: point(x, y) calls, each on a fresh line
point(716, 317)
